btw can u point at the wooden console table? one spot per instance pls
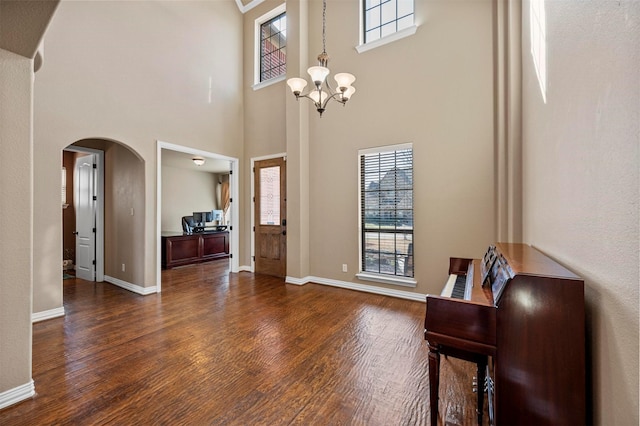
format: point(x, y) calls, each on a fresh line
point(184, 249)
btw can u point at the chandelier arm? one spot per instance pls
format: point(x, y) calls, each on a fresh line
point(331, 94)
point(317, 105)
point(326, 82)
point(335, 98)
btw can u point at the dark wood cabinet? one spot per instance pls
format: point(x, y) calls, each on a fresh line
point(185, 249)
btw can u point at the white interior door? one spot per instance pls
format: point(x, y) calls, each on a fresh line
point(85, 207)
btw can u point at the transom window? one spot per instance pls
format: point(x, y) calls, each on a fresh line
point(386, 212)
point(385, 17)
point(273, 47)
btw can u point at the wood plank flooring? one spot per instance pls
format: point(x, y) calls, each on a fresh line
point(236, 349)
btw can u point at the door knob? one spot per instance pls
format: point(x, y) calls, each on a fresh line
point(75, 232)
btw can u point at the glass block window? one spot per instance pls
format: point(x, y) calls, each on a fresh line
point(386, 210)
point(273, 47)
point(385, 17)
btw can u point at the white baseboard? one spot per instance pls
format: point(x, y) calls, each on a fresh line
point(131, 287)
point(15, 395)
point(245, 268)
point(418, 297)
point(45, 315)
point(296, 281)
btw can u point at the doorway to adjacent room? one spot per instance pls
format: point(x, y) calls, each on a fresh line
point(174, 176)
point(83, 219)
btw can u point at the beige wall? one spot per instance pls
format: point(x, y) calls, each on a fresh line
point(264, 130)
point(184, 192)
point(132, 72)
point(428, 97)
point(124, 232)
point(420, 90)
point(16, 155)
point(581, 190)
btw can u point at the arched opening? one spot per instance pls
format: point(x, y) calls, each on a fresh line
point(119, 218)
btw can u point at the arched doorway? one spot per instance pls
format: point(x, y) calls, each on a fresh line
point(120, 212)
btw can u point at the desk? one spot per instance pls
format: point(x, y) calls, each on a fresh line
point(184, 249)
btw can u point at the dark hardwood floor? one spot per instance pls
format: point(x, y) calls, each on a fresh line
point(235, 349)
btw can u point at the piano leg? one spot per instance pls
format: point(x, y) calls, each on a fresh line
point(434, 382)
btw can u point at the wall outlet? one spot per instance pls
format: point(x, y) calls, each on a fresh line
point(344, 267)
point(123, 267)
point(131, 211)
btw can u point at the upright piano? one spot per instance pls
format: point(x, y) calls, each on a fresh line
point(520, 316)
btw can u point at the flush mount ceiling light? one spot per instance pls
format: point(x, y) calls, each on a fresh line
point(199, 161)
point(319, 96)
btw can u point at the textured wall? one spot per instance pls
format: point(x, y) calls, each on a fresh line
point(16, 90)
point(581, 187)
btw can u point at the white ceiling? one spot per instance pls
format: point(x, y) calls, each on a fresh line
point(181, 160)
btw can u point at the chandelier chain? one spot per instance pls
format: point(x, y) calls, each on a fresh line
point(324, 20)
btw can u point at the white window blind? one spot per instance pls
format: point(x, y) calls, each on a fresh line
point(386, 211)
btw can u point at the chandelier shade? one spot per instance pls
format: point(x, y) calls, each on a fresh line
point(297, 85)
point(348, 92)
point(318, 96)
point(322, 92)
point(344, 79)
point(318, 74)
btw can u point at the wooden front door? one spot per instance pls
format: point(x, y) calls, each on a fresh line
point(270, 179)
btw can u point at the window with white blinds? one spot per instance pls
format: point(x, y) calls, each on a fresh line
point(386, 212)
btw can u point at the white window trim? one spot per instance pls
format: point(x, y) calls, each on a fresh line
point(257, 84)
point(269, 82)
point(363, 47)
point(372, 276)
point(387, 279)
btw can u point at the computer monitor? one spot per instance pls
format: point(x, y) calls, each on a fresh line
point(201, 218)
point(198, 218)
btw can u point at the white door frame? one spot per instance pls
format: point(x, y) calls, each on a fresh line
point(234, 184)
point(99, 161)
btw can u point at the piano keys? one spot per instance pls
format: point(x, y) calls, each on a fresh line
point(456, 287)
point(521, 317)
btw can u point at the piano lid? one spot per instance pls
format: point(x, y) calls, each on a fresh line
point(526, 260)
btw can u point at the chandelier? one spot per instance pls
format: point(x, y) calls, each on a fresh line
point(318, 95)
